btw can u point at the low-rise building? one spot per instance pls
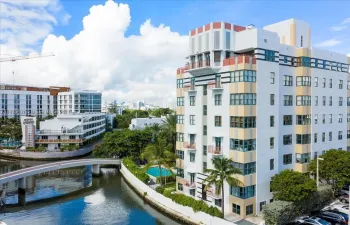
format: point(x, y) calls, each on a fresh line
point(141, 123)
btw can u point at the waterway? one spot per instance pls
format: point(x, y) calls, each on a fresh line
point(78, 199)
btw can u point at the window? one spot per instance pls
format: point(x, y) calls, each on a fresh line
point(217, 56)
point(287, 159)
point(324, 82)
point(330, 136)
point(324, 100)
point(205, 89)
point(192, 157)
point(340, 84)
point(246, 168)
point(330, 83)
point(243, 145)
point(243, 99)
point(180, 137)
point(242, 122)
point(305, 61)
point(216, 39)
point(302, 158)
point(228, 39)
point(348, 117)
point(316, 82)
point(340, 135)
point(217, 99)
point(340, 101)
point(272, 164)
point(180, 101)
point(204, 110)
point(218, 121)
point(249, 210)
point(285, 59)
point(192, 120)
point(192, 101)
point(303, 119)
point(330, 101)
point(192, 192)
point(303, 81)
point(270, 55)
point(330, 118)
point(243, 76)
point(315, 137)
point(288, 80)
point(340, 118)
point(180, 154)
point(204, 130)
point(180, 187)
point(236, 209)
point(180, 172)
point(288, 100)
point(287, 139)
point(217, 202)
point(304, 100)
point(180, 119)
point(348, 85)
point(323, 136)
point(348, 101)
point(272, 121)
point(272, 142)
point(323, 118)
point(348, 134)
point(243, 192)
point(287, 120)
point(204, 166)
point(272, 99)
point(303, 138)
point(204, 150)
point(179, 83)
point(272, 78)
point(316, 118)
point(316, 100)
point(301, 41)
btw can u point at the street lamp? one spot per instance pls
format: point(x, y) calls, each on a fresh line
point(317, 171)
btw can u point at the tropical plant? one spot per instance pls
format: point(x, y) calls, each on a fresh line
point(168, 130)
point(223, 171)
point(160, 154)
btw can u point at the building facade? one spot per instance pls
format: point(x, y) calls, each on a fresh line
point(16, 101)
point(261, 97)
point(142, 123)
point(79, 102)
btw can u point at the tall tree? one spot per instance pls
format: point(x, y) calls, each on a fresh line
point(160, 154)
point(334, 169)
point(292, 186)
point(223, 171)
point(168, 131)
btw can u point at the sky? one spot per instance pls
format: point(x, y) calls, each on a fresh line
point(129, 50)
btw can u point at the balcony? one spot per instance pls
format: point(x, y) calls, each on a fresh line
point(239, 59)
point(202, 67)
point(215, 150)
point(190, 88)
point(215, 86)
point(189, 184)
point(51, 141)
point(212, 194)
point(190, 146)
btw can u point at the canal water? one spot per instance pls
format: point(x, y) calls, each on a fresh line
point(78, 199)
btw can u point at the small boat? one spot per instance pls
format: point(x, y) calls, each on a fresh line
point(2, 223)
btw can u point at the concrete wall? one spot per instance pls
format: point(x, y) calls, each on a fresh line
point(51, 155)
point(169, 206)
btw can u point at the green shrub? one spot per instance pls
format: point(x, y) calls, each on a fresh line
point(135, 170)
point(160, 189)
point(169, 179)
point(317, 201)
point(280, 212)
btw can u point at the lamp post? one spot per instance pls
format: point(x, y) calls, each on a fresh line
point(317, 176)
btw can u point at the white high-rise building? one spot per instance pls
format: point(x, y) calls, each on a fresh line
point(261, 97)
point(79, 102)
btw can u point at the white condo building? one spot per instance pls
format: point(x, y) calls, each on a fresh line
point(261, 97)
point(79, 102)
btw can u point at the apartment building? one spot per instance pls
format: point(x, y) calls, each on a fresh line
point(79, 102)
point(19, 101)
point(261, 97)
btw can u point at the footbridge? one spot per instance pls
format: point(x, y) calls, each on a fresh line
point(21, 174)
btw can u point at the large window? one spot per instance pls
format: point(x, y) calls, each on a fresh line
point(243, 76)
point(243, 99)
point(228, 39)
point(192, 100)
point(287, 159)
point(287, 120)
point(303, 81)
point(340, 135)
point(270, 55)
point(288, 80)
point(218, 121)
point(243, 192)
point(179, 119)
point(217, 98)
point(306, 61)
point(249, 210)
point(304, 100)
point(192, 119)
point(236, 209)
point(180, 101)
point(204, 110)
point(287, 139)
point(288, 100)
point(243, 145)
point(180, 172)
point(242, 122)
point(246, 168)
point(303, 138)
point(302, 158)
point(192, 157)
point(180, 154)
point(180, 137)
point(272, 164)
point(272, 99)
point(205, 130)
point(179, 83)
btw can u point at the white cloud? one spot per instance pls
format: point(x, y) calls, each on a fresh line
point(328, 43)
point(101, 57)
point(339, 28)
point(346, 21)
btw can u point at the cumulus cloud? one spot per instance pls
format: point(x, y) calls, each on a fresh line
point(342, 26)
point(100, 57)
point(328, 43)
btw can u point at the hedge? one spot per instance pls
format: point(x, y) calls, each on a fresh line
point(196, 205)
point(135, 170)
point(169, 179)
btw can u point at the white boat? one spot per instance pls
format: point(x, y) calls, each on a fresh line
point(2, 223)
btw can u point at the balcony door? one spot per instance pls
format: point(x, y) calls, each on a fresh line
point(192, 138)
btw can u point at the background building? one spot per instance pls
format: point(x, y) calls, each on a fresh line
point(261, 97)
point(141, 123)
point(79, 101)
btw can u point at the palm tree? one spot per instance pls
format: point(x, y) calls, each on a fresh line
point(224, 171)
point(169, 130)
point(160, 154)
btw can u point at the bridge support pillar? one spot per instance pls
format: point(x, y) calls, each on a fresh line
point(96, 170)
point(22, 191)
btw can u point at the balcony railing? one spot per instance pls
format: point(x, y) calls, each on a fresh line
point(190, 184)
point(211, 192)
point(59, 141)
point(214, 85)
point(239, 59)
point(190, 145)
point(215, 150)
point(189, 87)
point(198, 64)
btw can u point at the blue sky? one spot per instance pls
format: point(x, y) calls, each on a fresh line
point(183, 16)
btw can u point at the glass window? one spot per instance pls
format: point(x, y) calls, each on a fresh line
point(243, 99)
point(192, 119)
point(236, 209)
point(216, 39)
point(340, 118)
point(287, 139)
point(316, 100)
point(180, 154)
point(287, 159)
point(340, 84)
point(272, 121)
point(180, 172)
point(272, 164)
point(249, 210)
point(287, 120)
point(316, 81)
point(204, 110)
point(340, 135)
point(302, 158)
point(288, 80)
point(272, 99)
point(272, 78)
point(304, 100)
point(218, 121)
point(303, 138)
point(228, 39)
point(205, 88)
point(217, 99)
point(330, 83)
point(243, 76)
point(272, 142)
point(330, 118)
point(192, 157)
point(316, 118)
point(324, 100)
point(243, 192)
point(323, 82)
point(288, 100)
point(243, 145)
point(315, 137)
point(192, 101)
point(242, 122)
point(204, 150)
point(340, 101)
point(303, 81)
point(204, 130)
point(323, 136)
point(179, 187)
point(246, 168)
point(270, 55)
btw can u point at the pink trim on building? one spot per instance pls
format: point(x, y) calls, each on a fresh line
point(238, 28)
point(193, 32)
point(200, 30)
point(228, 26)
point(207, 27)
point(216, 25)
